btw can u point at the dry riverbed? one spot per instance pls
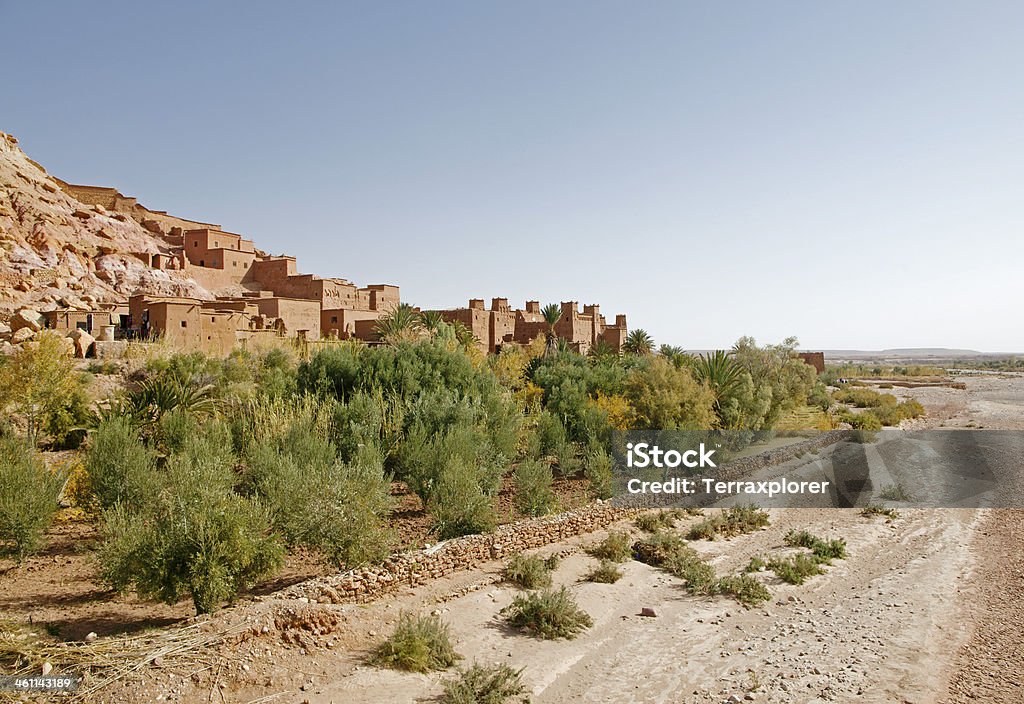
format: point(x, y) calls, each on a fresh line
point(926, 608)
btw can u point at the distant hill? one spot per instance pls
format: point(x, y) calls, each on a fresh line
point(910, 354)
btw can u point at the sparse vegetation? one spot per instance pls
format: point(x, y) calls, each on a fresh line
point(872, 510)
point(606, 572)
point(735, 520)
point(534, 495)
point(654, 522)
point(28, 497)
point(824, 550)
point(743, 588)
point(796, 568)
point(529, 571)
point(671, 553)
point(485, 684)
point(896, 492)
point(418, 644)
point(616, 547)
point(550, 614)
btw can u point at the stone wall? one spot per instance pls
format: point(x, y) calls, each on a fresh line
point(420, 566)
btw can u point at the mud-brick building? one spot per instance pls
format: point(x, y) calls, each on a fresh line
point(90, 321)
point(188, 323)
point(501, 324)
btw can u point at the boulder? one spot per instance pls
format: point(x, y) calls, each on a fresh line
point(82, 214)
point(27, 318)
point(5, 330)
point(22, 335)
point(69, 346)
point(6, 348)
point(83, 342)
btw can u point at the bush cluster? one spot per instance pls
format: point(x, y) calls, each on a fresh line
point(671, 553)
point(28, 496)
point(548, 614)
point(616, 547)
point(484, 684)
point(735, 520)
point(418, 644)
point(530, 571)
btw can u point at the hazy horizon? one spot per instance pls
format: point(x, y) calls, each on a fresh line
point(849, 174)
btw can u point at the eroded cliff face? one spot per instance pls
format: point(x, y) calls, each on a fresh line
point(56, 251)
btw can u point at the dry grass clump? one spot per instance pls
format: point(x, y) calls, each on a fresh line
point(878, 510)
point(736, 520)
point(606, 572)
point(824, 550)
point(548, 614)
point(484, 684)
point(896, 492)
point(530, 571)
point(418, 644)
point(617, 547)
point(796, 569)
point(654, 522)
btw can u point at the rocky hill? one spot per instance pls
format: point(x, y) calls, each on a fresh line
point(58, 251)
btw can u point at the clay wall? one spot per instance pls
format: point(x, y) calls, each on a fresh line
point(815, 359)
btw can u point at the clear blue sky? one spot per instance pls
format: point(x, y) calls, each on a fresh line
point(848, 172)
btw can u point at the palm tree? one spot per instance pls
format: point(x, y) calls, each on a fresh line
point(602, 349)
point(551, 314)
point(431, 321)
point(638, 342)
point(673, 354)
point(721, 373)
point(463, 335)
point(402, 323)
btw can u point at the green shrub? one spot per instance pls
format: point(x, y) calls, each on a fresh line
point(534, 494)
point(756, 564)
point(606, 572)
point(735, 520)
point(567, 460)
point(657, 549)
point(197, 536)
point(697, 575)
point(865, 420)
point(484, 684)
point(616, 547)
point(528, 571)
point(654, 522)
point(549, 614)
point(795, 569)
point(418, 644)
point(28, 496)
point(339, 509)
point(121, 468)
point(800, 539)
point(743, 588)
point(549, 436)
point(824, 551)
point(459, 506)
point(597, 469)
